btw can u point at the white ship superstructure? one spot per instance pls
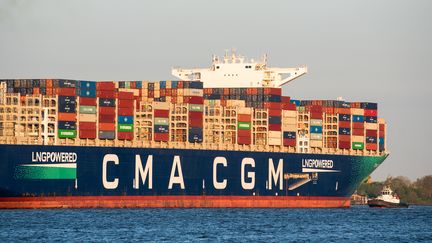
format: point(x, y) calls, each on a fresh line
point(235, 71)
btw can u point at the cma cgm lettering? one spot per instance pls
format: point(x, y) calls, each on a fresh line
point(144, 173)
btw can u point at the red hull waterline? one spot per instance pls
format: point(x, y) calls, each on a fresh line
point(174, 202)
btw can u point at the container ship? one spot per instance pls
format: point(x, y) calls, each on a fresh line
point(222, 136)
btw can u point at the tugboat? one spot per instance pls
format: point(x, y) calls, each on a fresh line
point(387, 199)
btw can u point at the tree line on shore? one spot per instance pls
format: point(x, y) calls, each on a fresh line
point(413, 192)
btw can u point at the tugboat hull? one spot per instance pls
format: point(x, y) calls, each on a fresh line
point(375, 203)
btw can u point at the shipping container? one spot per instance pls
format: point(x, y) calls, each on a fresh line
point(125, 135)
point(64, 133)
point(161, 137)
point(125, 119)
point(87, 125)
point(103, 126)
point(358, 145)
point(107, 102)
point(195, 135)
point(87, 101)
point(161, 113)
point(316, 129)
point(67, 125)
point(87, 134)
point(289, 135)
point(106, 135)
point(87, 109)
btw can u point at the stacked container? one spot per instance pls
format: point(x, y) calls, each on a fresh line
point(161, 121)
point(87, 109)
point(289, 122)
point(125, 119)
point(382, 133)
point(272, 102)
point(358, 133)
point(66, 116)
point(371, 126)
point(316, 126)
point(244, 126)
point(106, 94)
point(193, 96)
point(344, 128)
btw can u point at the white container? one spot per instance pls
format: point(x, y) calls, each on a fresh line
point(316, 136)
point(161, 105)
point(244, 110)
point(371, 126)
point(275, 134)
point(87, 118)
point(358, 139)
point(316, 144)
point(316, 122)
point(275, 141)
point(357, 111)
point(289, 120)
point(289, 113)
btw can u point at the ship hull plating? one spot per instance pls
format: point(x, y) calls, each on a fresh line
point(34, 176)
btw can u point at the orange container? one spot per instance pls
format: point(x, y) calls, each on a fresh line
point(62, 116)
point(371, 146)
point(107, 126)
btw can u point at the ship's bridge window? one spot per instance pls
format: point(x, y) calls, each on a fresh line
point(217, 67)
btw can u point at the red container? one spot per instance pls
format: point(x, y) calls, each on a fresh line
point(125, 103)
point(358, 125)
point(107, 94)
point(180, 84)
point(193, 100)
point(106, 86)
point(344, 124)
point(161, 137)
point(329, 110)
point(382, 133)
point(344, 145)
point(344, 138)
point(107, 126)
point(371, 112)
point(196, 122)
point(106, 118)
point(66, 91)
point(105, 110)
point(244, 140)
point(195, 115)
point(275, 127)
point(125, 95)
point(208, 91)
point(244, 133)
point(288, 106)
point(87, 101)
point(161, 113)
point(346, 111)
point(251, 91)
point(358, 132)
point(87, 125)
point(371, 146)
point(381, 127)
point(316, 115)
point(371, 133)
point(285, 99)
point(272, 105)
point(125, 135)
point(162, 92)
point(277, 112)
point(150, 94)
point(289, 142)
point(316, 108)
point(273, 91)
point(125, 111)
point(244, 118)
point(90, 134)
point(66, 116)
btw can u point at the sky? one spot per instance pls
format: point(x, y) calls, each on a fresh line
point(377, 51)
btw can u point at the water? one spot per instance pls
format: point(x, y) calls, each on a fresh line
point(357, 224)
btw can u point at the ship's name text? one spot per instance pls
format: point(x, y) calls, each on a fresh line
point(144, 173)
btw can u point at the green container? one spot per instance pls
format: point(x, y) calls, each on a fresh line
point(195, 107)
point(63, 133)
point(161, 121)
point(300, 108)
point(357, 145)
point(244, 125)
point(127, 85)
point(125, 127)
point(85, 109)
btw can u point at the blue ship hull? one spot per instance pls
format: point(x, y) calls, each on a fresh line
point(32, 172)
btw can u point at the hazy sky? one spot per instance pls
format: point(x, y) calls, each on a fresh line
point(379, 51)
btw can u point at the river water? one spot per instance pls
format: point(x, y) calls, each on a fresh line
point(356, 224)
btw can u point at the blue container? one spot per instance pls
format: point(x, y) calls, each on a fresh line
point(67, 108)
point(89, 93)
point(87, 85)
point(316, 129)
point(174, 84)
point(371, 119)
point(344, 131)
point(371, 139)
point(196, 85)
point(344, 117)
point(369, 105)
point(272, 98)
point(122, 84)
point(69, 125)
point(358, 118)
point(66, 100)
point(381, 141)
point(275, 120)
point(296, 102)
point(195, 134)
point(125, 119)
point(162, 84)
point(67, 83)
point(161, 128)
point(138, 84)
point(107, 102)
point(381, 147)
point(291, 135)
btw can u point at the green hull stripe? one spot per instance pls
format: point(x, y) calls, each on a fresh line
point(38, 172)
